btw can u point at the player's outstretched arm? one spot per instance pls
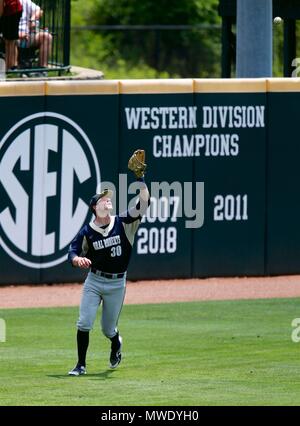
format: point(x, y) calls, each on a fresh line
point(144, 194)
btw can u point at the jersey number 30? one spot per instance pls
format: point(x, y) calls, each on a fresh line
point(116, 251)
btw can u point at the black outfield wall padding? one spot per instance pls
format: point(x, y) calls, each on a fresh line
point(222, 160)
point(283, 203)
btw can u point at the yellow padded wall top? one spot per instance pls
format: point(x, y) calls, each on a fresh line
point(87, 87)
point(283, 85)
point(230, 85)
point(156, 86)
point(20, 88)
point(163, 86)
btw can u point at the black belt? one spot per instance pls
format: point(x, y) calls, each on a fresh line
point(107, 274)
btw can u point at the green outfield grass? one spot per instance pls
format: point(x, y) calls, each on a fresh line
point(208, 353)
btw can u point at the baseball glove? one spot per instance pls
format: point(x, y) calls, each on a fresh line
point(137, 164)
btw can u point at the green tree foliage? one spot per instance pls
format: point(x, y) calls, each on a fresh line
point(183, 53)
point(147, 53)
point(150, 12)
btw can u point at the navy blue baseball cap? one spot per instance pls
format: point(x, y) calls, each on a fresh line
point(94, 200)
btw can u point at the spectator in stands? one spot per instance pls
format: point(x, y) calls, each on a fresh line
point(30, 34)
point(10, 15)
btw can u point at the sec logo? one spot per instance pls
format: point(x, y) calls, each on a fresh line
point(48, 170)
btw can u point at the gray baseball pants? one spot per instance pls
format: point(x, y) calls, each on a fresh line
point(111, 292)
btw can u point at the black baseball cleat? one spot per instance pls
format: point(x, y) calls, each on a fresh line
point(115, 354)
point(79, 370)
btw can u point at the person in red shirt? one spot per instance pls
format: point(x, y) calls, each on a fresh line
point(10, 15)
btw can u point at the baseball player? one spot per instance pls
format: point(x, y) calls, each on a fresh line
point(104, 247)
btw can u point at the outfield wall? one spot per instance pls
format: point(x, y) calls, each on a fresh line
point(230, 145)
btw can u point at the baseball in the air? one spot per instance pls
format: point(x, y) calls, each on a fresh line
point(277, 20)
